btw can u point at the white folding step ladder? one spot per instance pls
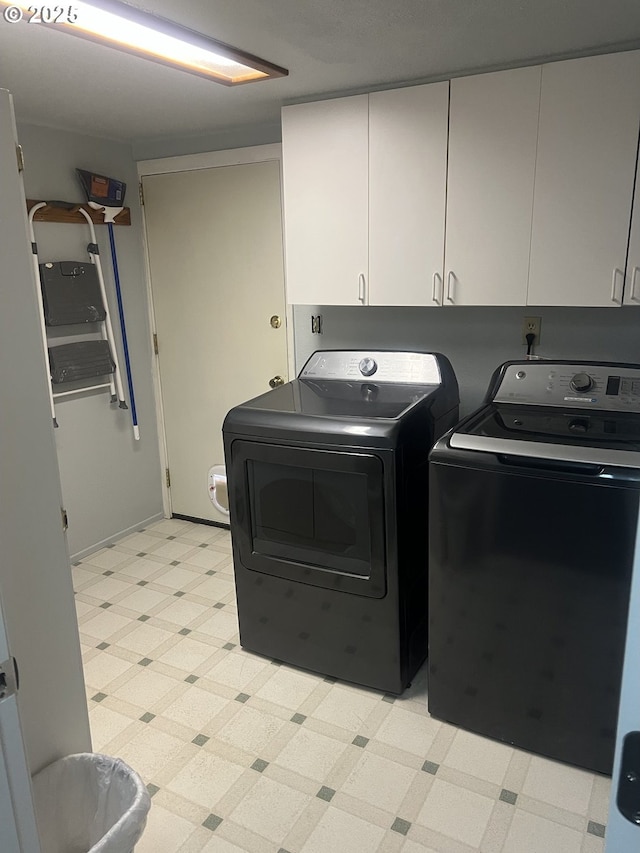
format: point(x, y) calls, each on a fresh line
point(106, 329)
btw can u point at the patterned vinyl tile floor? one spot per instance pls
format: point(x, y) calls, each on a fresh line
point(243, 754)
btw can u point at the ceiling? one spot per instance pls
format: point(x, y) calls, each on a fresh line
point(329, 47)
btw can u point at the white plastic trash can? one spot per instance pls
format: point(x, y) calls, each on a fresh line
point(90, 803)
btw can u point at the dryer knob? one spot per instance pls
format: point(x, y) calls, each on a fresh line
point(368, 366)
point(581, 383)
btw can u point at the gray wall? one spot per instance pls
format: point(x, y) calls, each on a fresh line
point(110, 482)
point(35, 576)
point(476, 340)
point(233, 137)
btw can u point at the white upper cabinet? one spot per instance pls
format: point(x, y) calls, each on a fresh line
point(508, 188)
point(632, 281)
point(492, 154)
point(325, 177)
point(587, 143)
point(407, 194)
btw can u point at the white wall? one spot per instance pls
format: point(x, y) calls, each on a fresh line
point(476, 340)
point(110, 482)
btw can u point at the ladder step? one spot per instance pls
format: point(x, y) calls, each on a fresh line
point(71, 293)
point(80, 360)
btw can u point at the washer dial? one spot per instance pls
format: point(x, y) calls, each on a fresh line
point(581, 383)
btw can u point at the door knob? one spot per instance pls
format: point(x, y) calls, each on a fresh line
point(277, 380)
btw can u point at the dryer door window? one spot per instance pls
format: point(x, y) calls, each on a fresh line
point(311, 515)
point(314, 516)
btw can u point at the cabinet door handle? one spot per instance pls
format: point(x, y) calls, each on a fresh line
point(362, 289)
point(614, 289)
point(436, 289)
point(634, 281)
point(450, 282)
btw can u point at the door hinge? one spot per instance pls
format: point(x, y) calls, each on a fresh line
point(155, 344)
point(8, 678)
point(65, 518)
point(141, 193)
point(20, 158)
point(167, 478)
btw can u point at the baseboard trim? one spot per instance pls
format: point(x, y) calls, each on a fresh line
point(80, 555)
point(200, 520)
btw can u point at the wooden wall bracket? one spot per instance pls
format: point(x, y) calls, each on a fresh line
point(53, 213)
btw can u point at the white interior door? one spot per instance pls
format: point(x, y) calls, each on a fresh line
point(216, 261)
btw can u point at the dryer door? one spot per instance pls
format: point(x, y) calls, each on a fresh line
point(311, 516)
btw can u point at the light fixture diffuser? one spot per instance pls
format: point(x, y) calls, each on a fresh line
point(143, 34)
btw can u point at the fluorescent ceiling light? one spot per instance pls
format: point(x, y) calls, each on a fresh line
point(129, 29)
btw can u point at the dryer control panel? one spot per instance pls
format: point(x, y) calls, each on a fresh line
point(564, 385)
point(416, 368)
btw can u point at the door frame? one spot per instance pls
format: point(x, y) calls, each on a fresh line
point(189, 163)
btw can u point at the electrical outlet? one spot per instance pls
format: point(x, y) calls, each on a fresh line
point(531, 325)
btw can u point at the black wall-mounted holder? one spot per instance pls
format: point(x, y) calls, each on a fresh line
point(628, 799)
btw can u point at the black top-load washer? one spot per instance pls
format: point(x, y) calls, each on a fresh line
point(533, 514)
point(328, 493)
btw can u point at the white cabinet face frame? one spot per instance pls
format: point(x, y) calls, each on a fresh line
point(493, 125)
point(407, 194)
point(587, 144)
point(325, 177)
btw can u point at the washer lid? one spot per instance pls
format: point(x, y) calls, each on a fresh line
point(598, 437)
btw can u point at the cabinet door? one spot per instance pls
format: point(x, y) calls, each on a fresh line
point(407, 193)
point(632, 280)
point(492, 149)
point(589, 112)
point(325, 174)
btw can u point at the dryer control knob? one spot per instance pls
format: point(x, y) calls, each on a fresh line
point(368, 366)
point(581, 383)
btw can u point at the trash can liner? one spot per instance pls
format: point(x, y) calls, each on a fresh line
point(90, 803)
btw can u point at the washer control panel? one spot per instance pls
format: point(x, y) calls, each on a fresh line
point(415, 368)
point(581, 386)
